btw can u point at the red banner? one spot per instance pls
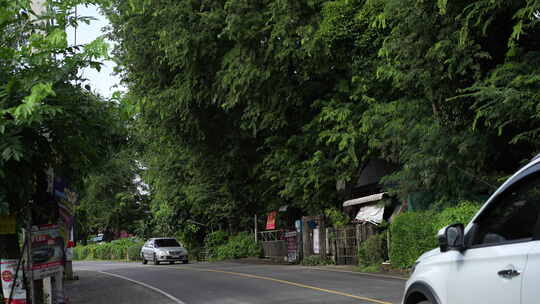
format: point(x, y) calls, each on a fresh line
point(271, 220)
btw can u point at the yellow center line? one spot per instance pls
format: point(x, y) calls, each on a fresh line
point(252, 276)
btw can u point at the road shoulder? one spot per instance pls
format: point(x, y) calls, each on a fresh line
point(95, 287)
point(354, 270)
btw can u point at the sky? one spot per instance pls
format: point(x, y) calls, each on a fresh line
point(102, 82)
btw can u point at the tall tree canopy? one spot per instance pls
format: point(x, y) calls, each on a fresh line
point(243, 106)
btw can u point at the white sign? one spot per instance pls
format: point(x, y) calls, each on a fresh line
point(316, 243)
point(47, 251)
point(7, 273)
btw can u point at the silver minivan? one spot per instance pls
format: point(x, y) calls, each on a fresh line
point(163, 250)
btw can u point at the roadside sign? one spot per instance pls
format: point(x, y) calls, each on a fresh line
point(8, 267)
point(292, 246)
point(316, 241)
point(47, 251)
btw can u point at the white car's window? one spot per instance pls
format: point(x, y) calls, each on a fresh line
point(513, 216)
point(166, 243)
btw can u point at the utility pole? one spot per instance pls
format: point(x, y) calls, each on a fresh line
point(28, 240)
point(39, 9)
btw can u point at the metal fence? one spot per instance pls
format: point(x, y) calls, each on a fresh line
point(271, 235)
point(346, 245)
point(348, 239)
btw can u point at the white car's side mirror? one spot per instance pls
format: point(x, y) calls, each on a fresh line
point(451, 238)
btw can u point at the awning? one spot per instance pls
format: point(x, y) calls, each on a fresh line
point(364, 199)
point(371, 213)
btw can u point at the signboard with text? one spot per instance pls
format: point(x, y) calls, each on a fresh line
point(292, 246)
point(8, 268)
point(47, 251)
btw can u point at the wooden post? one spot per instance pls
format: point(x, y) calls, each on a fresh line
point(305, 238)
point(322, 236)
point(388, 242)
point(255, 227)
point(28, 239)
point(358, 237)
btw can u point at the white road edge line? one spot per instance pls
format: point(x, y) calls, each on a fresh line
point(171, 297)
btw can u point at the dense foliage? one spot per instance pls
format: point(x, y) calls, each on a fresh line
point(373, 251)
point(123, 249)
point(237, 246)
point(213, 240)
point(113, 198)
point(316, 260)
point(414, 233)
point(243, 106)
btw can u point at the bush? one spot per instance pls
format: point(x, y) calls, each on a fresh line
point(102, 251)
point(115, 250)
point(194, 254)
point(413, 233)
point(316, 260)
point(134, 252)
point(462, 213)
point(373, 251)
point(337, 217)
point(79, 253)
point(239, 246)
point(215, 239)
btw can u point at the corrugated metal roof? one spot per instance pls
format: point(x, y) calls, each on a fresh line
point(364, 199)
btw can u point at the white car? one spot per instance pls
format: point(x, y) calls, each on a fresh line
point(495, 259)
point(163, 250)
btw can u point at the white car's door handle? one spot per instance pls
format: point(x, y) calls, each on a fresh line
point(508, 273)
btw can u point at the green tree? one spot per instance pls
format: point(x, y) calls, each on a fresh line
point(243, 106)
point(113, 197)
point(46, 120)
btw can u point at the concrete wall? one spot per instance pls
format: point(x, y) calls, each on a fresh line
point(275, 250)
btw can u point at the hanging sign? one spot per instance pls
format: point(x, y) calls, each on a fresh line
point(271, 220)
point(47, 251)
point(7, 275)
point(7, 224)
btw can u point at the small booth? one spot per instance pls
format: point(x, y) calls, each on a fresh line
point(282, 235)
point(368, 205)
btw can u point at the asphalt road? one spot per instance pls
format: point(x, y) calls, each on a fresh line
point(226, 283)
